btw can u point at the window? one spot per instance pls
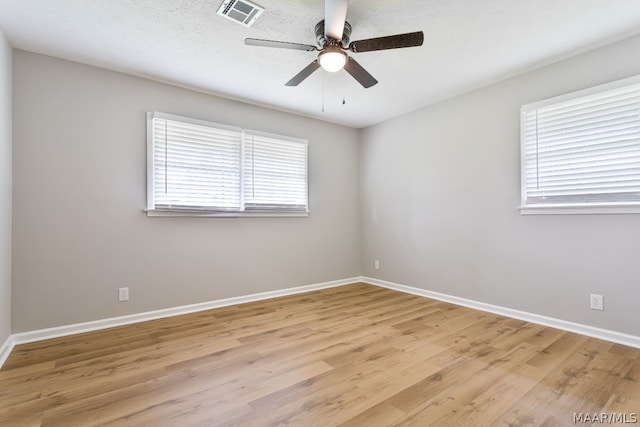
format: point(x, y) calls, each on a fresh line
point(201, 168)
point(581, 151)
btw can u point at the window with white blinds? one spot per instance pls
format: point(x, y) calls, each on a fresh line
point(197, 167)
point(274, 173)
point(582, 150)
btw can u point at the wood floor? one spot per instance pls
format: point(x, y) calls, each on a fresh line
point(355, 355)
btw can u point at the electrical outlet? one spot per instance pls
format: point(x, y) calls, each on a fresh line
point(123, 294)
point(596, 302)
point(376, 264)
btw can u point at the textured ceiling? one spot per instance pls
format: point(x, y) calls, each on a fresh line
point(468, 44)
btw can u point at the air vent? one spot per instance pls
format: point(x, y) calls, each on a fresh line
point(241, 11)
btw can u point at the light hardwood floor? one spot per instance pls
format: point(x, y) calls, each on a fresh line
point(356, 355)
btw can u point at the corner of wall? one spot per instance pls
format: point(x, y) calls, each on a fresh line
point(361, 228)
point(6, 192)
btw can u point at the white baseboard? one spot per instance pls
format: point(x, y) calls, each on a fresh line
point(590, 331)
point(5, 349)
point(61, 331)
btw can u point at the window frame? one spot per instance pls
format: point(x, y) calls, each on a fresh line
point(151, 210)
point(569, 208)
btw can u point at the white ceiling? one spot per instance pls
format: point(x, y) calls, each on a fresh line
point(468, 44)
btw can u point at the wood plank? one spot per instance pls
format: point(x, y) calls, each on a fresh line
point(350, 356)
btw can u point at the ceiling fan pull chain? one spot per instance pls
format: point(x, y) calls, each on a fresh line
point(344, 101)
point(323, 92)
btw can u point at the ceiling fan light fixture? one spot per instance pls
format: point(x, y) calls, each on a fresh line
point(332, 59)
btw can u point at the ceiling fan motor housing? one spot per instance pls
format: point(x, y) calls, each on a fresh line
point(323, 40)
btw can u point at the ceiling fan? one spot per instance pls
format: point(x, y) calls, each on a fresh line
point(332, 35)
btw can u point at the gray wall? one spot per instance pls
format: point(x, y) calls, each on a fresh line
point(5, 188)
point(439, 190)
point(79, 190)
point(439, 194)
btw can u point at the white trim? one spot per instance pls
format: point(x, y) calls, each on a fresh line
point(578, 210)
point(5, 349)
point(590, 331)
point(61, 331)
point(234, 214)
point(150, 161)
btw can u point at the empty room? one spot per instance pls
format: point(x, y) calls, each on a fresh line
point(319, 213)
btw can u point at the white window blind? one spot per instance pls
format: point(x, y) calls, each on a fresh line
point(202, 167)
point(583, 149)
point(275, 173)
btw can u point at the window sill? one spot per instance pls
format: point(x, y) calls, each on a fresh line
point(212, 214)
point(580, 210)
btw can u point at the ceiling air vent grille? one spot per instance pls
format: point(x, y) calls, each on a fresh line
point(241, 11)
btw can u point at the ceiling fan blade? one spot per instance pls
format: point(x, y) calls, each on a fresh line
point(335, 13)
point(389, 42)
point(283, 45)
point(360, 74)
point(306, 72)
